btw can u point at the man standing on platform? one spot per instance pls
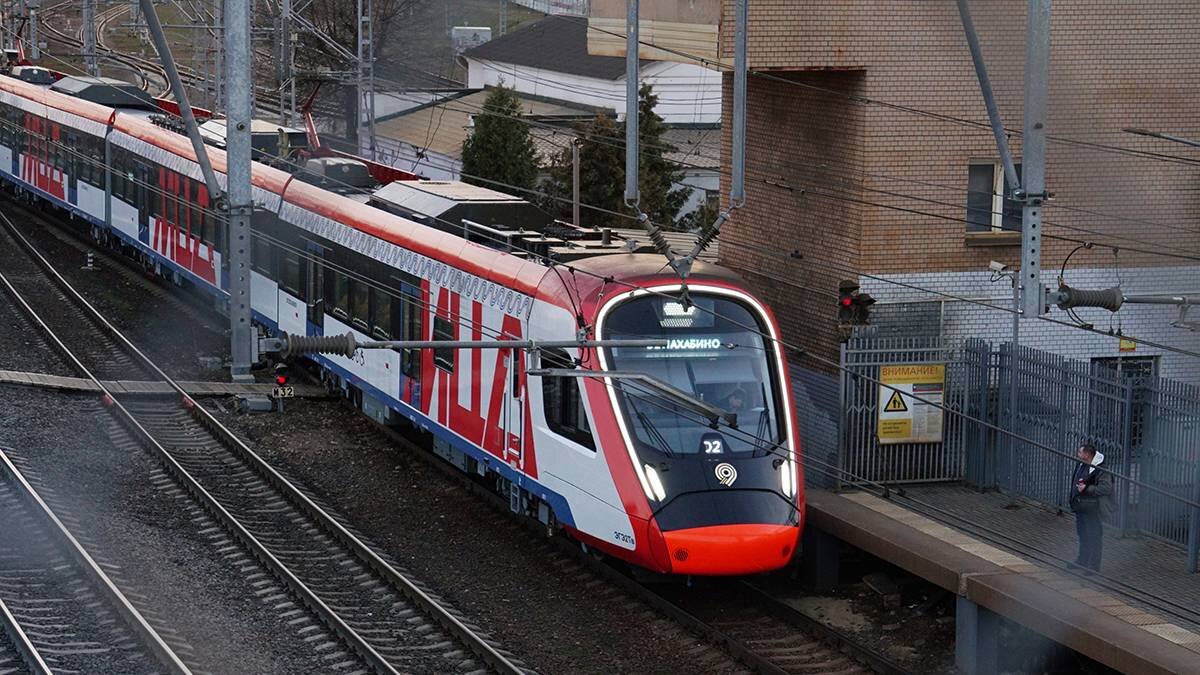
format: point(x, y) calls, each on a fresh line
point(1090, 489)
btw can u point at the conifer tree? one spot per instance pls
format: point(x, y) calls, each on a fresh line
point(500, 149)
point(602, 171)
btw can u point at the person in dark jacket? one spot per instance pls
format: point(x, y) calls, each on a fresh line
point(1091, 486)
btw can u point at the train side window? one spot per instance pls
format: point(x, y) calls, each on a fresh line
point(360, 304)
point(342, 296)
point(443, 331)
point(261, 256)
point(156, 192)
point(381, 314)
point(289, 273)
point(562, 403)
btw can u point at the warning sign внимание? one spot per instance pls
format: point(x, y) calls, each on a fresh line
point(904, 419)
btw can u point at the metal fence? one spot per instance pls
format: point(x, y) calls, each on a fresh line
point(861, 455)
point(1147, 427)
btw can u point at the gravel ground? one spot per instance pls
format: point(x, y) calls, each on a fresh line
point(479, 560)
point(151, 535)
point(174, 337)
point(25, 350)
point(10, 660)
point(56, 601)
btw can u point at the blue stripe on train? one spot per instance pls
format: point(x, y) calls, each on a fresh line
point(562, 509)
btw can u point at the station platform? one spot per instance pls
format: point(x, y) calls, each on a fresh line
point(62, 383)
point(1138, 616)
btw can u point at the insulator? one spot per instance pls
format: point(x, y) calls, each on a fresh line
point(1109, 298)
point(319, 344)
point(658, 239)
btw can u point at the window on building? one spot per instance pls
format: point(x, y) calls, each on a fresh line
point(988, 207)
point(562, 403)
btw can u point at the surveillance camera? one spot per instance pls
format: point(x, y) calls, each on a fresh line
point(997, 267)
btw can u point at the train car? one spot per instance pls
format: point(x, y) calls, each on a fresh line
point(624, 465)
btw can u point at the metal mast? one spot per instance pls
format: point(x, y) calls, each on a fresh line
point(1033, 167)
point(35, 48)
point(366, 77)
point(632, 193)
point(239, 110)
point(89, 38)
point(287, 65)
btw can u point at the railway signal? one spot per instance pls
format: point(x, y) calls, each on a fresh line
point(854, 308)
point(281, 374)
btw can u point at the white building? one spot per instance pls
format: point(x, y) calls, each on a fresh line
point(549, 59)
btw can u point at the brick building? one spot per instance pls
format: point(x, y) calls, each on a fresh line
point(860, 161)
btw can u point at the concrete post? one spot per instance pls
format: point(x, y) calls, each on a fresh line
point(976, 639)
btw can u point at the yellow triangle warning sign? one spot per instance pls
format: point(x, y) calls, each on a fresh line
point(895, 403)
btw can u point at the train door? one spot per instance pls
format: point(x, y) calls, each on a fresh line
point(412, 314)
point(514, 410)
point(73, 164)
point(141, 177)
point(314, 261)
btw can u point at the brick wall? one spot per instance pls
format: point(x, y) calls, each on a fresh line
point(783, 227)
point(884, 190)
point(957, 320)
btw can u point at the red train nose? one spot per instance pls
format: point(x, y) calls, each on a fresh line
point(730, 549)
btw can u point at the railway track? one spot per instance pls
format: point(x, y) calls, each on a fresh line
point(141, 67)
point(381, 619)
point(762, 633)
point(59, 611)
point(756, 629)
point(149, 71)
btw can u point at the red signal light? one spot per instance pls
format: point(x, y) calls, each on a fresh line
point(281, 380)
point(847, 301)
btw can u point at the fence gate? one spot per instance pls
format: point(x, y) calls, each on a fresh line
point(861, 456)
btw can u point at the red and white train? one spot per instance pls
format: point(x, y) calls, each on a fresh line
point(632, 474)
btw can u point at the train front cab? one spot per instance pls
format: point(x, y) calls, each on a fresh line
point(726, 498)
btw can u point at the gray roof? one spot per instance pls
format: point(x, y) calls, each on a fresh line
point(105, 91)
point(556, 43)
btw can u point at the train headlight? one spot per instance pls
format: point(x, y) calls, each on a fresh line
point(656, 485)
point(787, 479)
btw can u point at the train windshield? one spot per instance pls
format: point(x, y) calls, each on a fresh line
point(716, 353)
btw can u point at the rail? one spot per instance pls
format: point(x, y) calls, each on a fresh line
point(478, 645)
point(150, 638)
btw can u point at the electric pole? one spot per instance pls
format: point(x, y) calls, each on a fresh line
point(366, 76)
point(1033, 167)
point(89, 38)
point(35, 48)
point(239, 109)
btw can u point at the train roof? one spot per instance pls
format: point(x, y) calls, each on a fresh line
point(514, 271)
point(105, 91)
